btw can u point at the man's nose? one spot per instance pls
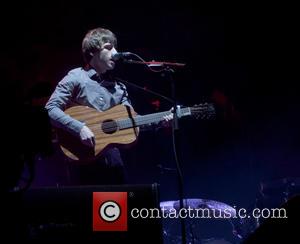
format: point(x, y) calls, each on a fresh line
point(113, 51)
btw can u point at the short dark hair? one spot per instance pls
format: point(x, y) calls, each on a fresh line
point(93, 41)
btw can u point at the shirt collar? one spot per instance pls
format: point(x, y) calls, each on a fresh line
point(91, 73)
point(95, 76)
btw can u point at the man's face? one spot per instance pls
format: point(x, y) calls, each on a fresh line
point(103, 58)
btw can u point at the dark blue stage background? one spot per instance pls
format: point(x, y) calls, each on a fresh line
point(247, 66)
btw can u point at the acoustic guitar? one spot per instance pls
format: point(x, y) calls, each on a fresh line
point(114, 127)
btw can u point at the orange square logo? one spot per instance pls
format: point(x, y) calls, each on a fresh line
point(110, 211)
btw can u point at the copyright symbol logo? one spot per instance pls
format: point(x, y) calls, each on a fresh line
point(110, 211)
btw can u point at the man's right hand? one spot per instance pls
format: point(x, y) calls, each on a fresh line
point(87, 136)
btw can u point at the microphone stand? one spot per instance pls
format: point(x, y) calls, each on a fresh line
point(145, 90)
point(175, 129)
point(168, 71)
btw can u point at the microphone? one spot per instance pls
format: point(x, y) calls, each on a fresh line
point(117, 56)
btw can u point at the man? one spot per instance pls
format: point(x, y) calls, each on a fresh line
point(87, 86)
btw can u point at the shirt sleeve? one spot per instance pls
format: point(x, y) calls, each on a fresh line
point(60, 99)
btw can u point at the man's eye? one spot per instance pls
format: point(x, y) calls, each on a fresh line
point(108, 46)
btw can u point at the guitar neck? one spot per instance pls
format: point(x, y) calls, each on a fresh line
point(150, 118)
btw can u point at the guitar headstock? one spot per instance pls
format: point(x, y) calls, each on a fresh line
point(203, 111)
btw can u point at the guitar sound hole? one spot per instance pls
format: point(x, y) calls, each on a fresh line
point(109, 126)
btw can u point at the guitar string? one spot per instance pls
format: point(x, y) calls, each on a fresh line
point(145, 119)
point(127, 123)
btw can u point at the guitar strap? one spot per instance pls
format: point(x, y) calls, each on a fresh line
point(125, 93)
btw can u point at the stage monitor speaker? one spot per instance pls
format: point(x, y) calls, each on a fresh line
point(66, 213)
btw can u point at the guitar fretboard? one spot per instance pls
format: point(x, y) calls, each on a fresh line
point(149, 118)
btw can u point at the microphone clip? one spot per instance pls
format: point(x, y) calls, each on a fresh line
point(121, 55)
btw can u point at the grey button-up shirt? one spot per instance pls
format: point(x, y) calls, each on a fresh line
point(81, 87)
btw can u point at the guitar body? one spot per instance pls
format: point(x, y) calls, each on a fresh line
point(102, 124)
point(114, 127)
